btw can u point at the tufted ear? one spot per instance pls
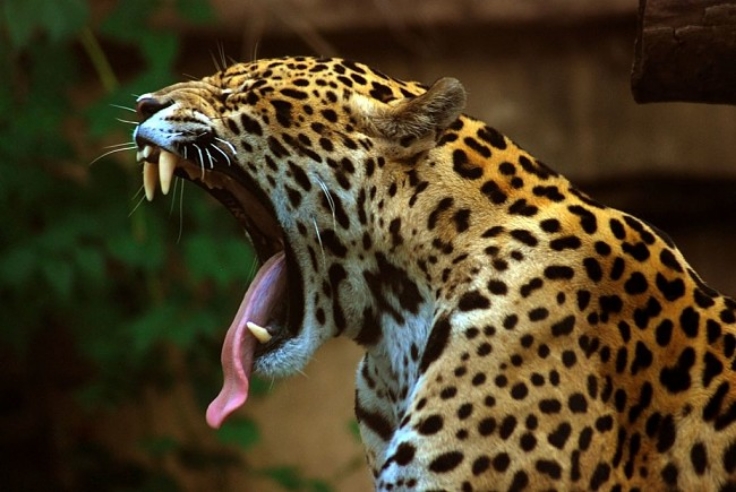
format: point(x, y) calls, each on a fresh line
point(412, 119)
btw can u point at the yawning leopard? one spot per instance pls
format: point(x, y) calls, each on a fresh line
point(518, 335)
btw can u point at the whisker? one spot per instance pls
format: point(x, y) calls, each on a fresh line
point(138, 192)
point(125, 108)
point(255, 50)
point(319, 240)
point(173, 197)
point(124, 144)
point(181, 209)
point(201, 158)
point(227, 158)
point(114, 151)
point(215, 62)
point(253, 268)
point(231, 146)
point(223, 57)
point(140, 201)
point(135, 123)
point(330, 201)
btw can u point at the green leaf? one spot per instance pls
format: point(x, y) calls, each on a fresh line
point(22, 314)
point(128, 19)
point(354, 429)
point(93, 395)
point(158, 482)
point(160, 50)
point(260, 387)
point(20, 20)
point(63, 18)
point(53, 71)
point(60, 276)
point(102, 116)
point(147, 254)
point(319, 486)
point(91, 263)
point(239, 431)
point(288, 477)
point(291, 478)
point(200, 256)
point(197, 11)
point(18, 265)
point(222, 260)
point(60, 18)
point(160, 446)
point(188, 328)
point(152, 327)
point(7, 97)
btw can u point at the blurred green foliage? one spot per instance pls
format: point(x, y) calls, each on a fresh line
point(125, 282)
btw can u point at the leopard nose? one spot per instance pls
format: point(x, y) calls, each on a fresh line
point(147, 105)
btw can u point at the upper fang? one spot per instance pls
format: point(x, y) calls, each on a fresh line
point(150, 179)
point(166, 165)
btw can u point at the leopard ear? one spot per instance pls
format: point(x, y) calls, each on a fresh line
point(412, 119)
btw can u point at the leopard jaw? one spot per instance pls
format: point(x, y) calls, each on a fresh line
point(167, 163)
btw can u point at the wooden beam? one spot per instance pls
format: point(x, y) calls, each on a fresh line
point(685, 51)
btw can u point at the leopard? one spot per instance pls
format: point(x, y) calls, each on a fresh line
point(518, 335)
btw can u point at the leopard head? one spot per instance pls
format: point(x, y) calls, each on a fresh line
point(299, 150)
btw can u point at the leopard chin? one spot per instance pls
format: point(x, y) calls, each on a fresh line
point(262, 336)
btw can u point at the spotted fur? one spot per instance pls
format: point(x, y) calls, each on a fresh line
point(518, 335)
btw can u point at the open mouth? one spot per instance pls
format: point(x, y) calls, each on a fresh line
point(260, 324)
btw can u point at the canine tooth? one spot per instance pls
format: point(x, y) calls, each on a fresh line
point(261, 334)
point(166, 165)
point(150, 179)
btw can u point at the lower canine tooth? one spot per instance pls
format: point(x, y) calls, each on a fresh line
point(261, 334)
point(166, 165)
point(150, 179)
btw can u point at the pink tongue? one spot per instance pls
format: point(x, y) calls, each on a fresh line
point(258, 306)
